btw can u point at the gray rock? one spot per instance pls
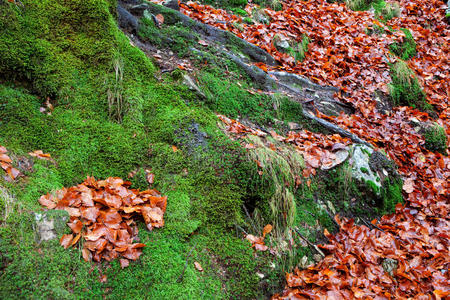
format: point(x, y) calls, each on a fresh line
point(389, 265)
point(192, 138)
point(282, 44)
point(127, 21)
point(341, 156)
point(187, 80)
point(50, 224)
point(361, 169)
point(173, 4)
point(294, 126)
point(138, 10)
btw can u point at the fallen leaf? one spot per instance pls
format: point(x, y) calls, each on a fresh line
point(267, 229)
point(66, 240)
point(198, 266)
point(160, 19)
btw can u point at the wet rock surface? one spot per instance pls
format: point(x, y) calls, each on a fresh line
point(50, 225)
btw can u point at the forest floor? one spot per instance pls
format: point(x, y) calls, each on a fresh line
point(234, 172)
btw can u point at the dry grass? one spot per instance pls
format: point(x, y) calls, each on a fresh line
point(280, 169)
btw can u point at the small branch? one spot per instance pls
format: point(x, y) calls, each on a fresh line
point(241, 229)
point(180, 279)
point(311, 245)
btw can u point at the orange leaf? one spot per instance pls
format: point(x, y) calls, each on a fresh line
point(66, 240)
point(160, 19)
point(198, 266)
point(267, 229)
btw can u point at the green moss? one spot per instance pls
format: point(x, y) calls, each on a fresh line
point(239, 11)
point(176, 37)
point(364, 170)
point(373, 186)
point(248, 20)
point(68, 50)
point(436, 139)
point(405, 88)
point(407, 48)
point(391, 193)
point(298, 51)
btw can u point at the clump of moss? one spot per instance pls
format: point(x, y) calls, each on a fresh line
point(174, 36)
point(389, 11)
point(276, 5)
point(298, 50)
point(391, 194)
point(436, 139)
point(226, 4)
point(42, 43)
point(358, 4)
point(239, 11)
point(405, 88)
point(248, 20)
point(405, 49)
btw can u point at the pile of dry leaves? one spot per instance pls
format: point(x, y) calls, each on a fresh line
point(102, 217)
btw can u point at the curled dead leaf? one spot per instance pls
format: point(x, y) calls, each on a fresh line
point(198, 266)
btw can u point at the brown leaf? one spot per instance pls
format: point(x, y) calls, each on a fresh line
point(76, 225)
point(87, 255)
point(203, 43)
point(124, 263)
point(66, 240)
point(5, 158)
point(198, 266)
point(90, 213)
point(75, 240)
point(149, 176)
point(408, 185)
point(160, 19)
point(39, 154)
point(47, 201)
point(267, 229)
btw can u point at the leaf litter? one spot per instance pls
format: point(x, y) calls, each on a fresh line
point(342, 53)
point(102, 217)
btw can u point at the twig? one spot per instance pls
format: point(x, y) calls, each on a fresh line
point(309, 243)
point(242, 229)
point(180, 279)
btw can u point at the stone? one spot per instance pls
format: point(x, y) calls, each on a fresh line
point(127, 21)
point(192, 138)
point(173, 4)
point(389, 265)
point(361, 169)
point(282, 43)
point(341, 156)
point(50, 225)
point(138, 10)
point(187, 80)
point(294, 126)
